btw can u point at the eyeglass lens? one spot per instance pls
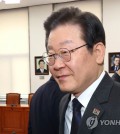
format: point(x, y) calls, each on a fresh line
point(63, 53)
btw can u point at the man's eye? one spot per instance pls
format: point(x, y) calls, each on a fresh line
point(64, 52)
point(51, 55)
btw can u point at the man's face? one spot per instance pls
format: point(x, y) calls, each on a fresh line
point(117, 61)
point(77, 74)
point(42, 65)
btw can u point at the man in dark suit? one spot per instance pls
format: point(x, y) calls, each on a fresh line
point(75, 55)
point(116, 65)
point(102, 114)
point(41, 68)
point(43, 118)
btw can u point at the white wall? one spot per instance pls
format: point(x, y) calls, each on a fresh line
point(111, 22)
point(37, 16)
point(84, 6)
point(14, 51)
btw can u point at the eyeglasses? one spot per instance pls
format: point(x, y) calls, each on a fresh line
point(63, 53)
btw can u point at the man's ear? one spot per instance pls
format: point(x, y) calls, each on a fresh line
point(99, 51)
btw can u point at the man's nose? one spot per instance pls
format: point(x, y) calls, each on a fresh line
point(59, 61)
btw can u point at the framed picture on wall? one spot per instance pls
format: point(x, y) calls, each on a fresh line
point(114, 61)
point(40, 67)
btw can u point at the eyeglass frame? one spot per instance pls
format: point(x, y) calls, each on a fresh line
point(57, 54)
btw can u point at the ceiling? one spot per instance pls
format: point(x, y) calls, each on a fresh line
point(27, 3)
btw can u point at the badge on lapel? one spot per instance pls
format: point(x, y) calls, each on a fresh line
point(96, 111)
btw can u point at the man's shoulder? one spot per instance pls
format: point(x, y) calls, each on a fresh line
point(38, 70)
point(45, 71)
point(116, 85)
point(50, 88)
point(112, 67)
point(116, 77)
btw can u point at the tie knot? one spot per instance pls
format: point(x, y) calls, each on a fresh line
point(76, 104)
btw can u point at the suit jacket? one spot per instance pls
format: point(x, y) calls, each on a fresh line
point(44, 109)
point(116, 77)
point(113, 68)
point(39, 71)
point(103, 108)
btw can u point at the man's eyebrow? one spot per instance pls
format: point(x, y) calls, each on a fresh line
point(61, 43)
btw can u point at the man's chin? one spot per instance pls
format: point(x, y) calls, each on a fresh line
point(64, 88)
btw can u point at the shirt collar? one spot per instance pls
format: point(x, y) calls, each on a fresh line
point(42, 70)
point(85, 97)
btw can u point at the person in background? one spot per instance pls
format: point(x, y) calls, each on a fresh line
point(116, 76)
point(116, 65)
point(41, 68)
point(75, 55)
point(43, 117)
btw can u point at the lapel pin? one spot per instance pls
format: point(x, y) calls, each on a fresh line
point(96, 111)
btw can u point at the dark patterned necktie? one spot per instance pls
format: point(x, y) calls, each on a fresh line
point(116, 68)
point(76, 116)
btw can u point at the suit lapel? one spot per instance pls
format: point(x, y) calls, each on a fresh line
point(94, 110)
point(63, 107)
point(91, 116)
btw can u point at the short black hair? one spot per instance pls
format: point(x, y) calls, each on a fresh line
point(92, 28)
point(41, 60)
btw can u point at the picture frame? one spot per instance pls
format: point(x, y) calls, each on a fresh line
point(39, 62)
point(111, 57)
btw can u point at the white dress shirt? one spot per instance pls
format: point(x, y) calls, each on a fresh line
point(84, 99)
point(42, 70)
